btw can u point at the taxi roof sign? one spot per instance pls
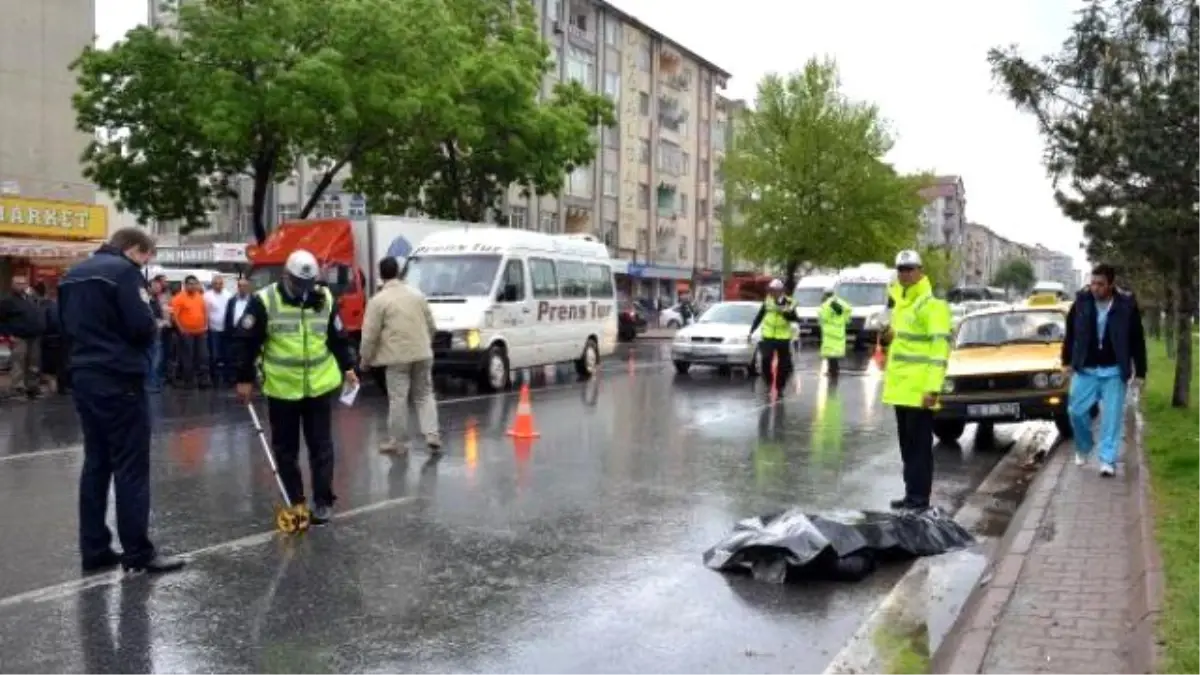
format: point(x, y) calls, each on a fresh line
point(1042, 299)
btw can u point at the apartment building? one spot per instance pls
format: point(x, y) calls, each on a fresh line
point(650, 193)
point(944, 219)
point(39, 144)
point(986, 252)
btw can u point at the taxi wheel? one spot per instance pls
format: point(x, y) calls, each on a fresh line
point(682, 367)
point(985, 435)
point(948, 431)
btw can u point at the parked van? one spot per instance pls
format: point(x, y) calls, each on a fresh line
point(504, 299)
point(809, 294)
point(865, 288)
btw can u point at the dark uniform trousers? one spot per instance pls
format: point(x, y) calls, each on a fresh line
point(769, 349)
point(915, 429)
point(115, 415)
point(313, 416)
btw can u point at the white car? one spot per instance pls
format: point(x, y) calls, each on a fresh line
point(721, 337)
point(670, 317)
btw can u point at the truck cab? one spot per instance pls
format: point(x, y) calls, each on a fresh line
point(865, 289)
point(808, 295)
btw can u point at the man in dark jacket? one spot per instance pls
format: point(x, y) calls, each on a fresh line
point(104, 306)
point(23, 318)
point(1104, 348)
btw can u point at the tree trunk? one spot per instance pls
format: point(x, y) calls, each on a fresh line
point(1169, 331)
point(258, 202)
point(322, 186)
point(789, 280)
point(1184, 306)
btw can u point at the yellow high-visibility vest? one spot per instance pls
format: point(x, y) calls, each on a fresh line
point(296, 360)
point(916, 362)
point(775, 325)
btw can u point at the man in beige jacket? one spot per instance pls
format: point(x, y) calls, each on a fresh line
point(398, 336)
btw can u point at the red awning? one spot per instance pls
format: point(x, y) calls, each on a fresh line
point(331, 241)
point(46, 248)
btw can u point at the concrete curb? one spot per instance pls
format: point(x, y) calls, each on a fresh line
point(966, 645)
point(909, 600)
point(1145, 564)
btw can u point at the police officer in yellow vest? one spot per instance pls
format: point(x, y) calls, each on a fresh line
point(776, 315)
point(916, 367)
point(834, 316)
point(292, 328)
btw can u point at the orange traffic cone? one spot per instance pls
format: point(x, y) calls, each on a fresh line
point(878, 357)
point(523, 426)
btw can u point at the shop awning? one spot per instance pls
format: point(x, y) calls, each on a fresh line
point(40, 249)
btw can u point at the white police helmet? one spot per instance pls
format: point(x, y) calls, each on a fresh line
point(302, 265)
point(775, 285)
point(908, 258)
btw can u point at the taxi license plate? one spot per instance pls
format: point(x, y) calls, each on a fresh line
point(994, 410)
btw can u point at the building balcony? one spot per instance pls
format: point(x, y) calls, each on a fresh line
point(677, 81)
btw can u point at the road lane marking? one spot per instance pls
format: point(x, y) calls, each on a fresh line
point(445, 403)
point(76, 586)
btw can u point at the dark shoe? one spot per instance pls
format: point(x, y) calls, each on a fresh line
point(102, 563)
point(907, 504)
point(434, 442)
point(159, 564)
point(899, 503)
point(322, 514)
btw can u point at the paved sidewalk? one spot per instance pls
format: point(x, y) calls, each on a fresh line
point(1062, 598)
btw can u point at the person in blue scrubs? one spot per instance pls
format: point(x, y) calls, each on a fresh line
point(1104, 350)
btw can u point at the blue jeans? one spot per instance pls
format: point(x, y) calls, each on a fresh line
point(1109, 390)
point(154, 378)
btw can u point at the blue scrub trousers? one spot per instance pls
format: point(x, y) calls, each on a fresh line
point(114, 413)
point(1107, 387)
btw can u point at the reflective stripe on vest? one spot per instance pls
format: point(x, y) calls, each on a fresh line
point(296, 360)
point(774, 325)
point(919, 350)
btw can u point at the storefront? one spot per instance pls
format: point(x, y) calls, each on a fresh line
point(708, 287)
point(652, 282)
point(225, 257)
point(40, 238)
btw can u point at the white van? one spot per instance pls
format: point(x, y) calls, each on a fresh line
point(865, 289)
point(504, 299)
point(808, 295)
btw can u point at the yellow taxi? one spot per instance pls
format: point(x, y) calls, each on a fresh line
point(1005, 367)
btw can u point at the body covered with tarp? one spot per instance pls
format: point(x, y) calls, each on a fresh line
point(848, 546)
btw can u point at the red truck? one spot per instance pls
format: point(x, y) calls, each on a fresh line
point(349, 252)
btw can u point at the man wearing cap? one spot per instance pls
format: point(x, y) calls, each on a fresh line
point(916, 368)
point(775, 316)
point(834, 316)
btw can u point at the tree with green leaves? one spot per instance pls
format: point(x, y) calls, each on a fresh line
point(1119, 110)
point(1015, 274)
point(806, 174)
point(247, 88)
point(941, 265)
point(493, 129)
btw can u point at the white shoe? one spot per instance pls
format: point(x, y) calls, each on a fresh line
point(1108, 470)
point(1081, 459)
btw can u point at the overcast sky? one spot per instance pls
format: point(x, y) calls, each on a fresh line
point(922, 61)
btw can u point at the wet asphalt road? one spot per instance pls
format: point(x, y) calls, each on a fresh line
point(578, 553)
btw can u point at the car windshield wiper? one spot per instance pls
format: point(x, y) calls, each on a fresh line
point(443, 294)
point(977, 344)
point(1033, 341)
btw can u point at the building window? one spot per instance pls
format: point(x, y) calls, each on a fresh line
point(580, 67)
point(547, 221)
point(683, 250)
point(643, 103)
point(286, 212)
point(683, 204)
point(579, 183)
point(643, 196)
point(358, 206)
point(644, 153)
point(643, 57)
point(609, 233)
point(612, 32)
point(612, 85)
point(704, 129)
point(703, 169)
point(612, 138)
point(670, 159)
point(579, 20)
point(702, 208)
point(518, 217)
point(685, 164)
point(702, 250)
point(610, 183)
point(552, 9)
